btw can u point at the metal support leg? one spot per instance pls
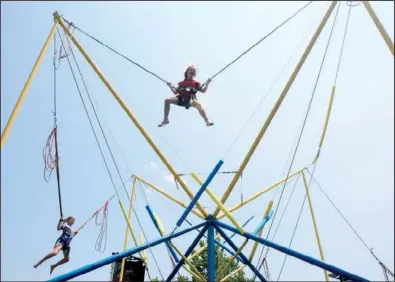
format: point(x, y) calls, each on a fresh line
point(234, 247)
point(211, 253)
point(187, 253)
point(293, 253)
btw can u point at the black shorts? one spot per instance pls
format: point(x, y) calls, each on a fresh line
point(65, 247)
point(185, 101)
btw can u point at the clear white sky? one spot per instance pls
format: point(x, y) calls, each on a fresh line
point(355, 168)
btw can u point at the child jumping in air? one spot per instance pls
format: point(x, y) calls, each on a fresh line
point(62, 243)
point(186, 95)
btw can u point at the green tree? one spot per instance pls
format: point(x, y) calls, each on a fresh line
point(221, 260)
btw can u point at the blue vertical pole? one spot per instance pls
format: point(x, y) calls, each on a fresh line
point(293, 253)
point(234, 247)
point(200, 192)
point(211, 253)
point(220, 244)
point(187, 253)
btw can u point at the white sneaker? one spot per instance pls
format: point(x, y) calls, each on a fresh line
point(164, 122)
point(208, 123)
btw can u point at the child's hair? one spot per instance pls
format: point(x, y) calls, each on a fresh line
point(70, 217)
point(188, 67)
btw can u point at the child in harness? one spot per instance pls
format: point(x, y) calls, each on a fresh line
point(186, 95)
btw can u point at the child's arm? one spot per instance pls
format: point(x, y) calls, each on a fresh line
point(59, 227)
point(172, 88)
point(205, 86)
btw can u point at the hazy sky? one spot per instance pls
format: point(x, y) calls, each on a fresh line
point(355, 168)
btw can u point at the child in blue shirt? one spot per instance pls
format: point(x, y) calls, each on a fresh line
point(62, 243)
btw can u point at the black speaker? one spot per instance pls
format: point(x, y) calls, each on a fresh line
point(134, 270)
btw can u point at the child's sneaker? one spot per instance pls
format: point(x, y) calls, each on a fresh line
point(208, 123)
point(164, 122)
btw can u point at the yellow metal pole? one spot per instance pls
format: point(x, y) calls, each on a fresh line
point(144, 252)
point(317, 235)
point(194, 272)
point(130, 114)
point(233, 258)
point(225, 211)
point(19, 102)
point(196, 275)
point(167, 195)
point(379, 26)
point(160, 225)
point(234, 221)
point(267, 189)
point(276, 106)
point(202, 249)
point(129, 225)
point(233, 273)
point(328, 114)
point(218, 202)
point(269, 207)
point(125, 244)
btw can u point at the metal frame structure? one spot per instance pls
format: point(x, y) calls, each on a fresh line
point(209, 225)
point(210, 221)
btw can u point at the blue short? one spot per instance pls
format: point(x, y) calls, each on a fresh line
point(65, 246)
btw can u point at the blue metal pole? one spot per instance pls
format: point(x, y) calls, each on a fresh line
point(229, 251)
point(295, 254)
point(244, 225)
point(190, 224)
point(200, 192)
point(187, 253)
point(234, 247)
point(220, 244)
point(263, 223)
point(119, 256)
point(211, 253)
point(151, 214)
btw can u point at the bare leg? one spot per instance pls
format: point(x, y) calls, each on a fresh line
point(168, 102)
point(202, 112)
point(52, 254)
point(62, 261)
